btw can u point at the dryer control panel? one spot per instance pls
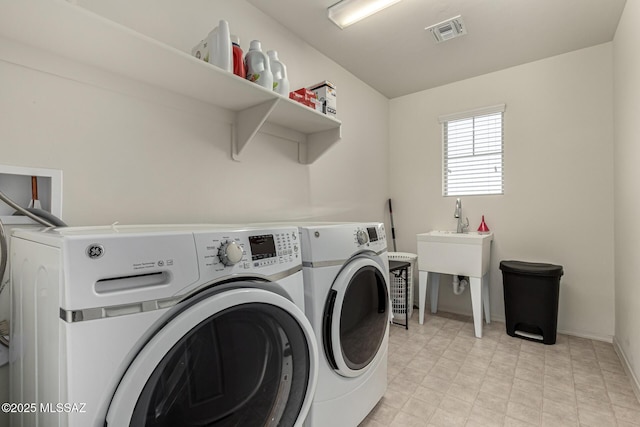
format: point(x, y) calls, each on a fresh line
point(261, 251)
point(340, 241)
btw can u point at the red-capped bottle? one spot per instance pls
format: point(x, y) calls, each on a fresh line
point(239, 68)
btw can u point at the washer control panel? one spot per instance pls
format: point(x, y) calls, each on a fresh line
point(230, 252)
point(370, 236)
point(244, 251)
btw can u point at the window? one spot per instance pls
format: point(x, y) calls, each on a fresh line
point(473, 152)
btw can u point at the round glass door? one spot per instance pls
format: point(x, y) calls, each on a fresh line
point(242, 364)
point(356, 317)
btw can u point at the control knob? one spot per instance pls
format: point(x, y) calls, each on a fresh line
point(362, 237)
point(230, 253)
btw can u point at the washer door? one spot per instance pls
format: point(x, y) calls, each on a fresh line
point(239, 357)
point(356, 317)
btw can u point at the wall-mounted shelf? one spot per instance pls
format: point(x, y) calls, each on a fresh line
point(80, 35)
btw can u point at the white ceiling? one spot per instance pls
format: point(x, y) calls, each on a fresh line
point(393, 53)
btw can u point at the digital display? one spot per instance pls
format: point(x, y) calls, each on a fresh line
point(262, 247)
point(373, 234)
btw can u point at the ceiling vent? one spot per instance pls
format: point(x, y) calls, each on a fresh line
point(449, 29)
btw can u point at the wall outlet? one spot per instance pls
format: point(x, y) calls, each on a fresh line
point(15, 183)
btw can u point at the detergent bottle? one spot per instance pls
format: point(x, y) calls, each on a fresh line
point(258, 68)
point(220, 47)
point(279, 71)
point(238, 60)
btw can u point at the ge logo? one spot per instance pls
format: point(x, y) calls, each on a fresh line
point(95, 251)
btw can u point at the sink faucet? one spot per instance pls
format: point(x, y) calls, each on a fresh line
point(458, 214)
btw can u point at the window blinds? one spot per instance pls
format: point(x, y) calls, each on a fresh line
point(473, 152)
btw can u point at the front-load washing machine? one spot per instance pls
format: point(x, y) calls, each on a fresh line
point(160, 326)
point(346, 276)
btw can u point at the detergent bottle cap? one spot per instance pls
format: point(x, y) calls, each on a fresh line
point(255, 45)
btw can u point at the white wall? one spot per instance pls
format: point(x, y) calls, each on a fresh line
point(558, 200)
point(133, 153)
point(139, 154)
point(627, 176)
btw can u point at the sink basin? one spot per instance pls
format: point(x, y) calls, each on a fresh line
point(464, 254)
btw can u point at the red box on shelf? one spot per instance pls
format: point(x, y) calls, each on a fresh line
point(304, 96)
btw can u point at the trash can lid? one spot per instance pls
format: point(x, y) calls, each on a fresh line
point(531, 268)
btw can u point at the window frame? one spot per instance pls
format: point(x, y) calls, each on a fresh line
point(471, 114)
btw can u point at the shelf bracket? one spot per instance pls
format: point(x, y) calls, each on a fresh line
point(247, 123)
point(317, 143)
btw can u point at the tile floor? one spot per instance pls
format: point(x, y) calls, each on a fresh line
point(441, 375)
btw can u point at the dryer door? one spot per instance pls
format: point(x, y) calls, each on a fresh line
point(356, 317)
point(242, 357)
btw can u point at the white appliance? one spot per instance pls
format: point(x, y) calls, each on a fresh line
point(346, 280)
point(160, 326)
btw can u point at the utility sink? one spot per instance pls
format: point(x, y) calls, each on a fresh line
point(448, 252)
point(462, 254)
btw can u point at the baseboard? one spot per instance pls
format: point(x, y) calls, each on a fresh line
point(635, 384)
point(603, 338)
point(501, 319)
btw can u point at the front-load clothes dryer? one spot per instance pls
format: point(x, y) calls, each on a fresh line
point(160, 326)
point(347, 300)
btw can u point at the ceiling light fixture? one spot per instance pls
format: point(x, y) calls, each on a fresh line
point(347, 12)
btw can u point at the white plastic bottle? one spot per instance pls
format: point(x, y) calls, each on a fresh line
point(279, 71)
point(258, 68)
point(220, 51)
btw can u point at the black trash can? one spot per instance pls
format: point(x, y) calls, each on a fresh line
point(531, 293)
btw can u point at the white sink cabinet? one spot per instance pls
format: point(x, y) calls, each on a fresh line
point(72, 32)
point(463, 254)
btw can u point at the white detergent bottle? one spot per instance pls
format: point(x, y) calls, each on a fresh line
point(220, 50)
point(258, 68)
point(279, 71)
